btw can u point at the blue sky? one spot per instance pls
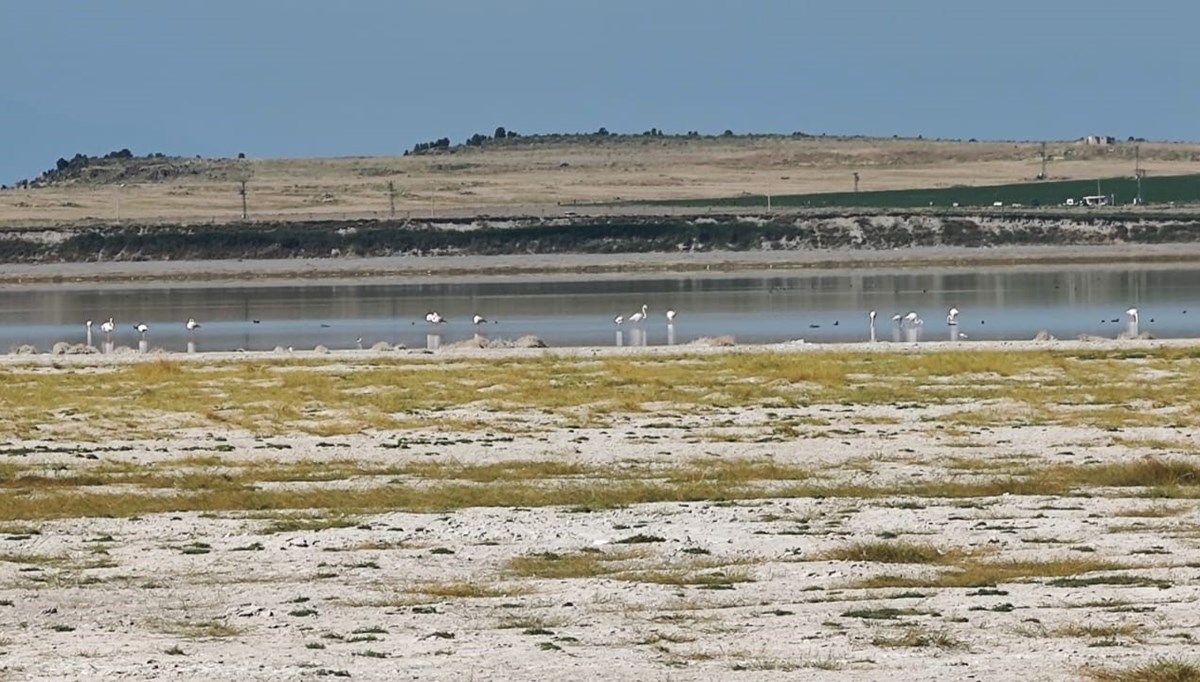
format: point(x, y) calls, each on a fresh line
point(308, 78)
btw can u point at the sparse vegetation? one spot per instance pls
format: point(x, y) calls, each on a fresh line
point(535, 517)
point(1161, 670)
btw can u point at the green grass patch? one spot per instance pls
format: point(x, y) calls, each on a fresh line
point(1155, 189)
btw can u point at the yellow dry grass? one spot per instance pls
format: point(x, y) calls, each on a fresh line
point(541, 178)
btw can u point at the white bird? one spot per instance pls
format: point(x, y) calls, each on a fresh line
point(638, 316)
point(618, 319)
point(192, 325)
point(359, 342)
point(952, 316)
point(478, 319)
point(435, 318)
point(141, 329)
point(1133, 315)
point(671, 316)
point(88, 324)
point(872, 316)
point(897, 318)
point(107, 328)
point(912, 320)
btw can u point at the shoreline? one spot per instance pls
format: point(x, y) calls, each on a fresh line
point(589, 352)
point(557, 265)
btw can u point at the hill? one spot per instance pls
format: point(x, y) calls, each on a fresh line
point(539, 176)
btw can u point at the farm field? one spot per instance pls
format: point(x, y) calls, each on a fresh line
point(1011, 511)
point(546, 177)
point(1159, 190)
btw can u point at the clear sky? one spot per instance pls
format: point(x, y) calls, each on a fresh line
point(373, 77)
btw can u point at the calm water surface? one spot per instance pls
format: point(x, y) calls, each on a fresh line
point(761, 307)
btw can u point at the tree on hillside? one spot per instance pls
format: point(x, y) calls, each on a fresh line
point(501, 133)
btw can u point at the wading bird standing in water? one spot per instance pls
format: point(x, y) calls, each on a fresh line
point(952, 316)
point(107, 328)
point(142, 329)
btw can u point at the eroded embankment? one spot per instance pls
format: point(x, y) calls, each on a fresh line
point(590, 235)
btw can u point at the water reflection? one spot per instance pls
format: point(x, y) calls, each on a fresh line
point(1016, 303)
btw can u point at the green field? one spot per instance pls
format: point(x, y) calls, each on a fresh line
point(1155, 190)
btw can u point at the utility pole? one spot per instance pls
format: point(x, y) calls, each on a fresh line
point(392, 197)
point(1139, 174)
point(1043, 175)
point(242, 192)
point(856, 182)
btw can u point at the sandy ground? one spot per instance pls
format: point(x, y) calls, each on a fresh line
point(127, 600)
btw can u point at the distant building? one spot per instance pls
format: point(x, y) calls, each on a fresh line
point(1099, 140)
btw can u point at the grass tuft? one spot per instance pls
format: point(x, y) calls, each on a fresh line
point(1159, 670)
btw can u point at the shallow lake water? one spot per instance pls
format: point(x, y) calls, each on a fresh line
point(754, 307)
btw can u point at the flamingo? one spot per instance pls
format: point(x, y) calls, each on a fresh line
point(912, 320)
point(88, 324)
point(435, 318)
point(107, 328)
point(619, 319)
point(671, 316)
point(479, 319)
point(952, 317)
point(871, 317)
point(638, 316)
point(141, 329)
point(1133, 315)
point(192, 325)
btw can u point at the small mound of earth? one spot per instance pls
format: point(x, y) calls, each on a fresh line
point(25, 350)
point(529, 342)
point(1092, 338)
point(64, 348)
point(717, 341)
point(1044, 336)
point(1144, 336)
point(480, 342)
point(383, 345)
point(476, 342)
point(322, 349)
